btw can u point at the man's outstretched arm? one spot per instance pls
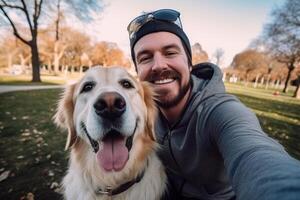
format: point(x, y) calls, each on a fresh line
point(257, 165)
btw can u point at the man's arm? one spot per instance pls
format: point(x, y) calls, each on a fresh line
point(258, 166)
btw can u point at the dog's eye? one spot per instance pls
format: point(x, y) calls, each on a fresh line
point(88, 86)
point(126, 84)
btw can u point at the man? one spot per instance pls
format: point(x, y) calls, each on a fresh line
point(211, 145)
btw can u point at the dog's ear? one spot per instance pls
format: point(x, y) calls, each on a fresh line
point(64, 115)
point(151, 108)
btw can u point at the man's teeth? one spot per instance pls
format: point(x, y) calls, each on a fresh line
point(163, 81)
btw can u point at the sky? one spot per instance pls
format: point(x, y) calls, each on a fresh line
point(227, 24)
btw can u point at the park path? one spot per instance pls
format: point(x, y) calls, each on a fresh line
point(12, 88)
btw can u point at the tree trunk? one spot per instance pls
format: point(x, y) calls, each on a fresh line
point(262, 80)
point(268, 82)
point(22, 63)
point(35, 63)
point(9, 61)
point(277, 84)
point(297, 92)
point(224, 77)
point(56, 58)
point(49, 66)
point(288, 78)
point(256, 80)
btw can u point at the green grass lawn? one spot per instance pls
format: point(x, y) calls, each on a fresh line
point(26, 80)
point(278, 115)
point(32, 148)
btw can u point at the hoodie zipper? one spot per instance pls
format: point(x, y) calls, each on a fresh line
point(168, 137)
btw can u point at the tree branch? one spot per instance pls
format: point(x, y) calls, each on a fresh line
point(27, 16)
point(16, 33)
point(39, 9)
point(5, 4)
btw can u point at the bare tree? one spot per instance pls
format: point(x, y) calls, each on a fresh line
point(31, 14)
point(282, 36)
point(218, 56)
point(82, 10)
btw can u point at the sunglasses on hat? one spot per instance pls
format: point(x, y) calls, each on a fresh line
point(167, 15)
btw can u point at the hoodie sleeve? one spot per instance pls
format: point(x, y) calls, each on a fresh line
point(258, 166)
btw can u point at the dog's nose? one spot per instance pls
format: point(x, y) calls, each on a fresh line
point(110, 105)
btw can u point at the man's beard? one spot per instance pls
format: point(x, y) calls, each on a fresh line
point(173, 102)
point(168, 103)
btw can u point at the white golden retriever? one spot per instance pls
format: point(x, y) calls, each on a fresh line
point(109, 116)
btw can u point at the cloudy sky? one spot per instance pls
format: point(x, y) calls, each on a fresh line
point(227, 24)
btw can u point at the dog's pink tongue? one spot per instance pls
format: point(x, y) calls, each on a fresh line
point(113, 154)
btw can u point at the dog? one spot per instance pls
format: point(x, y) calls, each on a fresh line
point(110, 117)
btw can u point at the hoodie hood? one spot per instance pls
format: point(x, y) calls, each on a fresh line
point(212, 75)
point(206, 82)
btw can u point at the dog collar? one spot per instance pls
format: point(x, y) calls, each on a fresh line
point(122, 188)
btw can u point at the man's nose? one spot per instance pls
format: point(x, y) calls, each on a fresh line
point(159, 62)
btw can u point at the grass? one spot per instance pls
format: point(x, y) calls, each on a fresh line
point(279, 115)
point(26, 80)
point(31, 147)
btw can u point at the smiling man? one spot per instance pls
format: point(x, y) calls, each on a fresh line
point(165, 65)
point(211, 145)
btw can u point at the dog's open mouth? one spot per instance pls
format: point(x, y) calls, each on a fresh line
point(113, 153)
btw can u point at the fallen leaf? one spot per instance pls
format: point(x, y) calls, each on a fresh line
point(25, 134)
point(25, 117)
point(50, 173)
point(54, 185)
point(4, 175)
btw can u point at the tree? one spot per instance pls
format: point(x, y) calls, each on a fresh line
point(282, 36)
point(296, 82)
point(82, 10)
point(75, 48)
point(218, 56)
point(31, 13)
point(107, 54)
point(251, 64)
point(198, 54)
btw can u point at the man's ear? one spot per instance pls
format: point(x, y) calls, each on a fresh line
point(151, 108)
point(64, 115)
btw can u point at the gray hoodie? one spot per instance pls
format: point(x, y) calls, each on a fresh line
point(217, 149)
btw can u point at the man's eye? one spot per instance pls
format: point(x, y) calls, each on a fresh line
point(87, 87)
point(170, 53)
point(126, 84)
point(144, 59)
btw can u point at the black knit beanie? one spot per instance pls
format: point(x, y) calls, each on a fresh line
point(157, 26)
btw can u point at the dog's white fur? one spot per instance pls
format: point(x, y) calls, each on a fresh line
point(85, 176)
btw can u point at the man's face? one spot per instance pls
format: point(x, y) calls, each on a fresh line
point(161, 60)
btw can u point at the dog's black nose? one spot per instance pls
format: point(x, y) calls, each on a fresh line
point(110, 105)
